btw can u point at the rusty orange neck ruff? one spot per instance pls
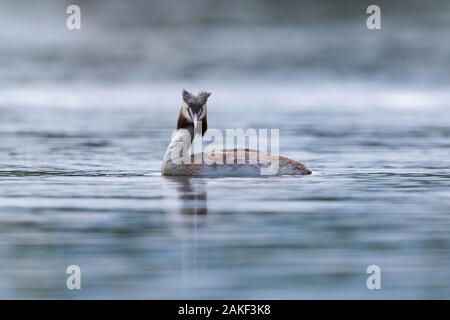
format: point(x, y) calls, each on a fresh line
point(184, 123)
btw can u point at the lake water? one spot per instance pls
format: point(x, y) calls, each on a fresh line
point(85, 119)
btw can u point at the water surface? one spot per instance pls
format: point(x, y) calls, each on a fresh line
point(85, 118)
point(83, 187)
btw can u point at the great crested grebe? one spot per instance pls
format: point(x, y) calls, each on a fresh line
point(192, 120)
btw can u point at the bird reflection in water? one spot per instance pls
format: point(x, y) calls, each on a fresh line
point(192, 213)
point(192, 196)
point(192, 207)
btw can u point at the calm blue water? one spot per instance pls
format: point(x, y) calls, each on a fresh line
point(85, 119)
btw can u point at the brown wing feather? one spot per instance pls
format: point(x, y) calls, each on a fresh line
point(248, 157)
point(233, 159)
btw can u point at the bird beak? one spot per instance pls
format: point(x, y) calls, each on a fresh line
point(195, 120)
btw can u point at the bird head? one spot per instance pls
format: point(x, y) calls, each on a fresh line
point(194, 110)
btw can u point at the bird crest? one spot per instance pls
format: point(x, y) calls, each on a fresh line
point(195, 100)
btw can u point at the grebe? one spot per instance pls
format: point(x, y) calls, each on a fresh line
point(192, 120)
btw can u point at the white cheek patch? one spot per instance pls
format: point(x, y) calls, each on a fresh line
point(185, 112)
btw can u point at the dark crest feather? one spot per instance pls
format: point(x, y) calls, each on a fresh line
point(190, 98)
point(203, 96)
point(187, 96)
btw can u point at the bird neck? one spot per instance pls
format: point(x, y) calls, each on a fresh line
point(183, 137)
point(179, 145)
point(184, 123)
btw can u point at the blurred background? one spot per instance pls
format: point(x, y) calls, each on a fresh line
point(295, 49)
point(86, 115)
